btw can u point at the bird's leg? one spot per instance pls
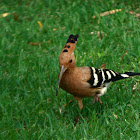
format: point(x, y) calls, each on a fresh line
point(99, 100)
point(96, 98)
point(79, 100)
point(98, 95)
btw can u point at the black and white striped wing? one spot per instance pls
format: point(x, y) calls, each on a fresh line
point(103, 77)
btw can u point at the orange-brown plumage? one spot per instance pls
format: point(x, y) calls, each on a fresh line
point(74, 79)
point(84, 81)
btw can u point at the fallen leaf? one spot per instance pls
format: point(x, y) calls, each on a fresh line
point(101, 34)
point(63, 28)
point(135, 86)
point(4, 15)
point(116, 116)
point(103, 66)
point(68, 125)
point(54, 29)
point(60, 110)
point(40, 24)
point(69, 102)
point(34, 43)
point(15, 16)
point(133, 13)
point(92, 33)
point(49, 41)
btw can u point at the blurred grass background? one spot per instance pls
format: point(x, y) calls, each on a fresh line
point(31, 38)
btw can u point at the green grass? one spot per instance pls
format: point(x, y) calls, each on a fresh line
point(29, 108)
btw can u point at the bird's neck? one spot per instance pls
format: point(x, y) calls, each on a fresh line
point(72, 68)
point(72, 65)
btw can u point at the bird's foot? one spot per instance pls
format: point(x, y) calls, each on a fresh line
point(100, 101)
point(76, 120)
point(96, 98)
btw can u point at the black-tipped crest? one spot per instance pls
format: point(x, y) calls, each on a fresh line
point(65, 50)
point(72, 38)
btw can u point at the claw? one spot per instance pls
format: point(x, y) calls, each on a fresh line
point(76, 120)
point(100, 101)
point(96, 98)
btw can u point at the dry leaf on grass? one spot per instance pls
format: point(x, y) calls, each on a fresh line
point(116, 116)
point(40, 24)
point(49, 41)
point(135, 86)
point(15, 17)
point(133, 13)
point(34, 43)
point(54, 29)
point(63, 28)
point(100, 34)
point(103, 66)
point(69, 102)
point(4, 15)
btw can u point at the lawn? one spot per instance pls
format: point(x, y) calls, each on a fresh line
point(32, 35)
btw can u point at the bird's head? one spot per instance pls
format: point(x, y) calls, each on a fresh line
point(67, 57)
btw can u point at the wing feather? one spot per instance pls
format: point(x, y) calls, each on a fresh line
point(101, 77)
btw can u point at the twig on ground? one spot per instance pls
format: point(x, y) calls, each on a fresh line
point(108, 13)
point(124, 54)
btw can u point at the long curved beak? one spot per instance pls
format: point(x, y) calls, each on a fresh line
point(60, 76)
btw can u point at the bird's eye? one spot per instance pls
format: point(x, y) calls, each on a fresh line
point(70, 60)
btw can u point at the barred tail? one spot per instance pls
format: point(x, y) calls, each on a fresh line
point(125, 75)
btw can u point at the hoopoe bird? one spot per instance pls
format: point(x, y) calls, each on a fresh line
point(84, 81)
